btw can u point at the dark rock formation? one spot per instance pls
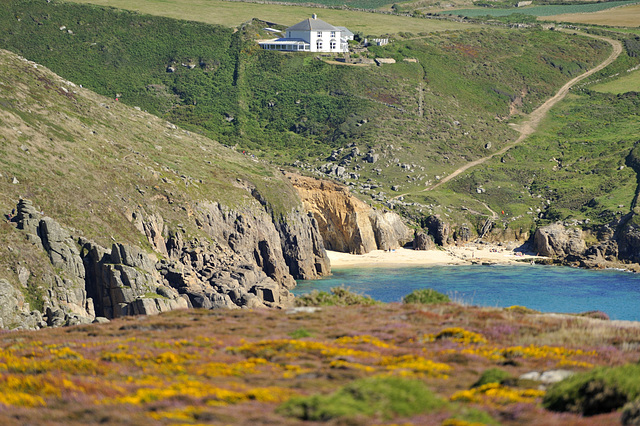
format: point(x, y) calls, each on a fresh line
point(439, 229)
point(628, 239)
point(249, 259)
point(303, 247)
point(462, 234)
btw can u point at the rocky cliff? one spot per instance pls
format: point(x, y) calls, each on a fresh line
point(346, 223)
point(250, 260)
point(141, 216)
point(617, 244)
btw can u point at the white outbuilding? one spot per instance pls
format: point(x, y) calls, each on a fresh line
point(311, 35)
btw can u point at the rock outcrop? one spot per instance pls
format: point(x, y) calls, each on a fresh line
point(248, 259)
point(556, 240)
point(14, 311)
point(423, 241)
point(439, 229)
point(346, 223)
point(68, 291)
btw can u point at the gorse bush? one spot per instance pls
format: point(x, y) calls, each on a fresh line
point(492, 375)
point(426, 297)
point(600, 390)
point(384, 396)
point(339, 296)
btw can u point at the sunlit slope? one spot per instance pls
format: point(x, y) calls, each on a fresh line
point(448, 99)
point(232, 14)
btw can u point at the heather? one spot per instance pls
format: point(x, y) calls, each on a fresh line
point(439, 364)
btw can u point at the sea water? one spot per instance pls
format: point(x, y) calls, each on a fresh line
point(543, 288)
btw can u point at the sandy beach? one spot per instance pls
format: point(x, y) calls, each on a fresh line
point(454, 255)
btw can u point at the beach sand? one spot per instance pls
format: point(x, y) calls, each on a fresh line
point(455, 255)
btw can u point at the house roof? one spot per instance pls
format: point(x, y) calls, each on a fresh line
point(344, 31)
point(312, 24)
point(283, 41)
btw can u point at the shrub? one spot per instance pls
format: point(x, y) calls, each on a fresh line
point(595, 314)
point(631, 413)
point(492, 375)
point(384, 396)
point(600, 390)
point(426, 297)
point(300, 333)
point(339, 296)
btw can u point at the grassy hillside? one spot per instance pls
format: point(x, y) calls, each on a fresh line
point(235, 13)
point(448, 105)
point(627, 83)
point(358, 365)
point(92, 162)
point(628, 16)
point(544, 10)
point(451, 103)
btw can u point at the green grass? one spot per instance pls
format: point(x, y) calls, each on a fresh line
point(624, 84)
point(574, 167)
point(233, 14)
point(287, 107)
point(541, 10)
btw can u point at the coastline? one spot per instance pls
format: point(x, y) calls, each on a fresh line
point(454, 255)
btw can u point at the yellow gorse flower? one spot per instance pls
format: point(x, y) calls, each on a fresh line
point(497, 394)
point(458, 335)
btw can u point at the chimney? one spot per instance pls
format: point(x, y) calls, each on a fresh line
point(314, 16)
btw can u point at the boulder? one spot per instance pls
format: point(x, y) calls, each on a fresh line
point(423, 241)
point(462, 234)
point(556, 240)
point(389, 230)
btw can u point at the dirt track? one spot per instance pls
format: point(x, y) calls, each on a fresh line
point(529, 126)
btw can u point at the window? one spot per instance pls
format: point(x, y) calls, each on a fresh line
point(319, 44)
point(333, 34)
point(319, 34)
point(332, 45)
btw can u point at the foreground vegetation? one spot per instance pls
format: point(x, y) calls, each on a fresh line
point(436, 364)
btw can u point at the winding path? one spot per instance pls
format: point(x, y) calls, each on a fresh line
point(529, 126)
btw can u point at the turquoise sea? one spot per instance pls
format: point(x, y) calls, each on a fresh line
point(544, 288)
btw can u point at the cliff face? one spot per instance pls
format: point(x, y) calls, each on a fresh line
point(346, 223)
point(141, 216)
point(618, 244)
point(250, 260)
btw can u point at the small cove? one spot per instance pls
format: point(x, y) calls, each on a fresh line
point(544, 288)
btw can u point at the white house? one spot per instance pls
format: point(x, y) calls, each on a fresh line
point(311, 35)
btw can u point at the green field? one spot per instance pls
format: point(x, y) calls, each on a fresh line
point(541, 10)
point(627, 83)
point(233, 14)
point(627, 16)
